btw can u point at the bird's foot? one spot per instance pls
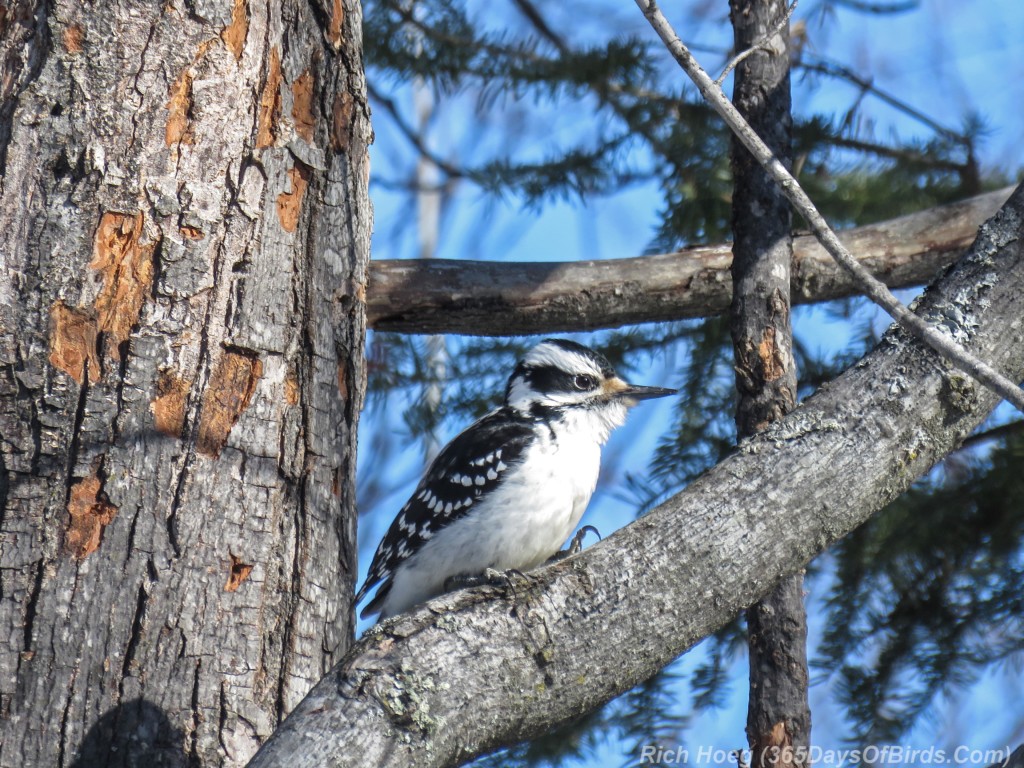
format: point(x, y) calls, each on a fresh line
point(576, 545)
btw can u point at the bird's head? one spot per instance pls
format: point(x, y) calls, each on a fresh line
point(562, 376)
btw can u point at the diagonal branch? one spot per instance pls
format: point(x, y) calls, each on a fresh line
point(470, 672)
point(824, 66)
point(415, 137)
point(492, 298)
point(927, 332)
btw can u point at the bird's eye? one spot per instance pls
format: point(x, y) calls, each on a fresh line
point(583, 382)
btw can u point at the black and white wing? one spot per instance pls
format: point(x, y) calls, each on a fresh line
point(466, 470)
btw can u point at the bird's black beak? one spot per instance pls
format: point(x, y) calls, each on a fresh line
point(635, 392)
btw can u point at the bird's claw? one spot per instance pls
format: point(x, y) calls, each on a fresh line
point(576, 545)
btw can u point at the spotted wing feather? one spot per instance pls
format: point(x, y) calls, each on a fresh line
point(466, 470)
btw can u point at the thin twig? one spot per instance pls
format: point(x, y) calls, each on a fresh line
point(824, 66)
point(534, 16)
point(872, 288)
point(758, 46)
point(879, 8)
point(415, 138)
point(1003, 430)
point(607, 90)
point(896, 153)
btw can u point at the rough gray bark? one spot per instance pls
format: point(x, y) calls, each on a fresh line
point(24, 41)
point(575, 634)
point(491, 298)
point(778, 714)
point(184, 232)
point(1015, 760)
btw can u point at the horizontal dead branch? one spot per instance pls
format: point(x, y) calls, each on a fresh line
point(509, 298)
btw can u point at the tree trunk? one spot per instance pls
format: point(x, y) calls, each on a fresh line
point(571, 636)
point(778, 715)
point(184, 232)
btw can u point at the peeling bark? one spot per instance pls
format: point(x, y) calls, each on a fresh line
point(571, 636)
point(177, 513)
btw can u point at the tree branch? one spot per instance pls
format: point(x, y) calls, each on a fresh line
point(829, 68)
point(873, 289)
point(996, 433)
point(575, 634)
point(899, 153)
point(781, 27)
point(879, 8)
point(415, 137)
point(489, 298)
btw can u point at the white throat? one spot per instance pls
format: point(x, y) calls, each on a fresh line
point(590, 424)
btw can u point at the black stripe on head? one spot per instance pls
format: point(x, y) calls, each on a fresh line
point(555, 367)
point(548, 379)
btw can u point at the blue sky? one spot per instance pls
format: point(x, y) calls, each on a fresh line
point(951, 59)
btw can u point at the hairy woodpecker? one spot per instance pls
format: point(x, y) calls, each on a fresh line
point(507, 492)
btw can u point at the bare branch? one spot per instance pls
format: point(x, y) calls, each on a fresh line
point(899, 153)
point(996, 433)
point(879, 8)
point(414, 137)
point(533, 15)
point(944, 344)
point(490, 298)
point(608, 90)
point(832, 69)
point(759, 45)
